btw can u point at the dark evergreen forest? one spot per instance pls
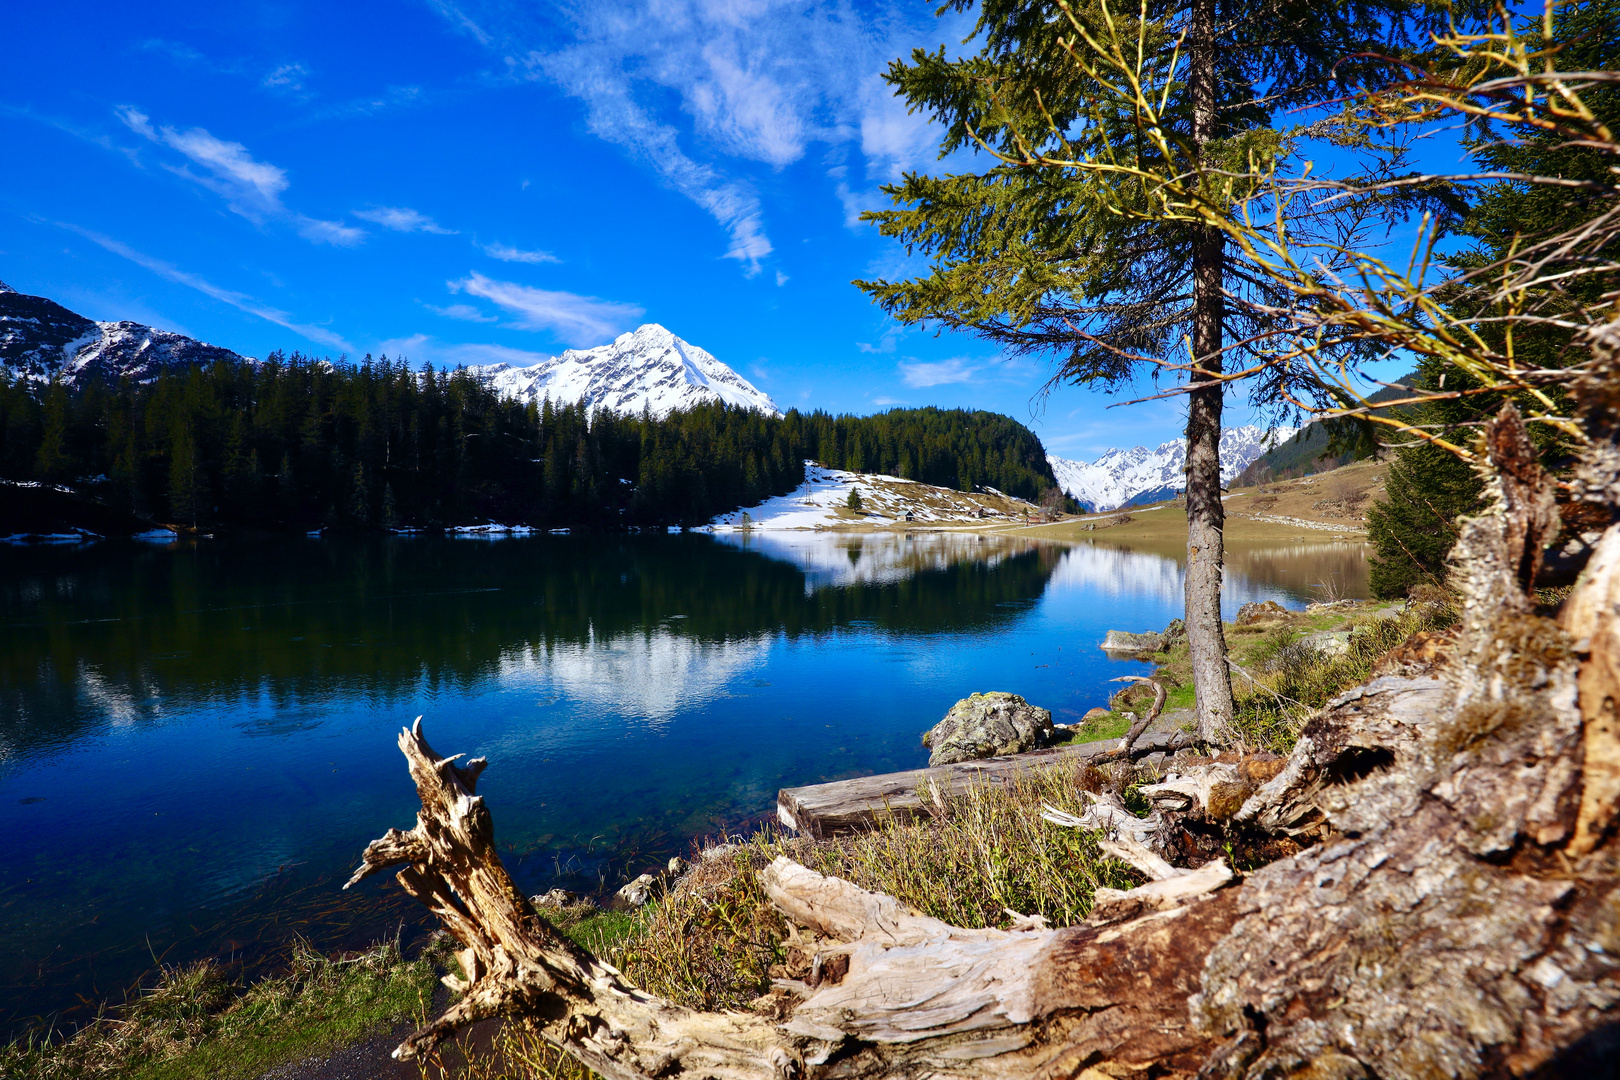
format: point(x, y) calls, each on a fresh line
point(300, 443)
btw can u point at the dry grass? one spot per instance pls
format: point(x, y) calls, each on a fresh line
point(716, 942)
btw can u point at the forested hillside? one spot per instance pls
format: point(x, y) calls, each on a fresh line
point(297, 443)
point(1313, 449)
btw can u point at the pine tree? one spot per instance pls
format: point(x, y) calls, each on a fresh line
point(185, 491)
point(52, 463)
point(854, 499)
point(1415, 526)
point(1083, 265)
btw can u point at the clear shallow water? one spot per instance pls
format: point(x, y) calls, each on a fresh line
point(197, 740)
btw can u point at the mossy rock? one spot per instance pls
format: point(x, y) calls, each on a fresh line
point(988, 725)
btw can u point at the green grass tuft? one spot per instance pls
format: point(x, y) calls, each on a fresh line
point(198, 1022)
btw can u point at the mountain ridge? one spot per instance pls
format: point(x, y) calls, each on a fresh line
point(41, 340)
point(1139, 475)
point(647, 368)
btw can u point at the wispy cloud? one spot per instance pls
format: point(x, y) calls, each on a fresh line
point(887, 401)
point(614, 115)
point(423, 348)
point(402, 219)
point(703, 92)
point(578, 320)
point(250, 187)
point(887, 342)
point(508, 253)
point(464, 312)
point(286, 77)
point(185, 55)
point(938, 373)
point(240, 301)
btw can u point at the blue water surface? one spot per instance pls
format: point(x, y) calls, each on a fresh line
point(197, 739)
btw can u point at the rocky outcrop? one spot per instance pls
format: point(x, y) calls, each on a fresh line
point(1255, 610)
point(985, 725)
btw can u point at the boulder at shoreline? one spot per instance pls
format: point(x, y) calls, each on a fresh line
point(987, 725)
point(1125, 642)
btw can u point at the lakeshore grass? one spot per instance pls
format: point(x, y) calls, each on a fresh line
point(199, 1022)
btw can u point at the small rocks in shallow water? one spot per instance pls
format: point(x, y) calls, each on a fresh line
point(555, 900)
point(637, 893)
point(1122, 641)
point(985, 725)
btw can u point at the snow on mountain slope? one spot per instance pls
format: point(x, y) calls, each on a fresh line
point(1121, 477)
point(822, 502)
point(649, 368)
point(40, 339)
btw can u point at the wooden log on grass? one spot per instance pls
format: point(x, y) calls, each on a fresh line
point(822, 810)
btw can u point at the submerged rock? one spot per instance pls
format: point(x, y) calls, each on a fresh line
point(1122, 641)
point(985, 725)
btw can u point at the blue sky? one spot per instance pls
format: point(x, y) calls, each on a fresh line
point(477, 182)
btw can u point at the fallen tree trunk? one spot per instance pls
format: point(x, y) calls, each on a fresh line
point(1458, 914)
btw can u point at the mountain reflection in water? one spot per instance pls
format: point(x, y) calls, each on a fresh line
point(196, 740)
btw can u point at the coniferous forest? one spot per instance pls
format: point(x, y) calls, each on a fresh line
point(301, 443)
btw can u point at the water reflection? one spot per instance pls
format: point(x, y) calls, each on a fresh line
point(653, 676)
point(830, 560)
point(1296, 572)
point(109, 635)
point(196, 741)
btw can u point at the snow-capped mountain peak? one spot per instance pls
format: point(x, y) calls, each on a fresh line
point(40, 339)
point(1139, 475)
point(648, 368)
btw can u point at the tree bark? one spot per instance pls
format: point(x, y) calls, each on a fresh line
point(1206, 516)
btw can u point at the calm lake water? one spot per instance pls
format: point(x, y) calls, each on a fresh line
point(197, 740)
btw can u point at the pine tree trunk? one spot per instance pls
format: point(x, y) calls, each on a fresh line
point(1206, 517)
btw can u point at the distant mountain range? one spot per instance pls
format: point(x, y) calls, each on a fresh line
point(649, 368)
point(1139, 475)
point(42, 340)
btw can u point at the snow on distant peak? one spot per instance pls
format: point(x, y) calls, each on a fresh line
point(648, 368)
point(6, 288)
point(1121, 477)
point(42, 340)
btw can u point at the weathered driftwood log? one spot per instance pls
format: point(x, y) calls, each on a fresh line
point(823, 810)
point(1457, 916)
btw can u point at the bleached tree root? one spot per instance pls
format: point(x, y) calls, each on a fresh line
point(1457, 916)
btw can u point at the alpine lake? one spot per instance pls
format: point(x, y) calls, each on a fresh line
point(197, 737)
